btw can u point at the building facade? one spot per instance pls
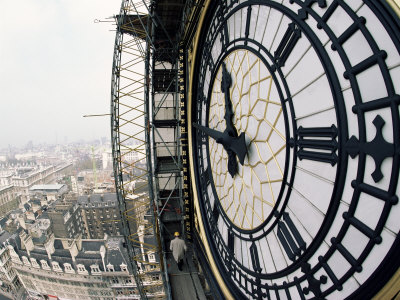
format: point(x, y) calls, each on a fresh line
point(24, 178)
point(66, 219)
point(50, 191)
point(101, 215)
point(9, 199)
point(9, 281)
point(91, 269)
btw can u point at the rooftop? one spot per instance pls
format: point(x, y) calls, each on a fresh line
point(97, 198)
point(46, 187)
point(2, 188)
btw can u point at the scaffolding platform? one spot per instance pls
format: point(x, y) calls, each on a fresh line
point(185, 284)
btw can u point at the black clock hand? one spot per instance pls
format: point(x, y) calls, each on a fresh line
point(237, 144)
point(226, 84)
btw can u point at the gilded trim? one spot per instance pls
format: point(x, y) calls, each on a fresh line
point(391, 289)
point(203, 237)
point(395, 4)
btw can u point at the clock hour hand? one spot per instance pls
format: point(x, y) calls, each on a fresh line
point(237, 144)
point(226, 84)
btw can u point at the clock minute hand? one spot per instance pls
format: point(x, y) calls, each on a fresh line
point(241, 148)
point(237, 144)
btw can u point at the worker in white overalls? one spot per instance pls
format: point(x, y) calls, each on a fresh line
point(178, 248)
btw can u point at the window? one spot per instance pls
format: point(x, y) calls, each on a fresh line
point(124, 268)
point(82, 269)
point(56, 266)
point(152, 258)
point(26, 261)
point(95, 269)
point(44, 264)
point(34, 263)
point(110, 268)
point(68, 268)
point(115, 280)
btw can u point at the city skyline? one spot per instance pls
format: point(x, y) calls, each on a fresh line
point(56, 67)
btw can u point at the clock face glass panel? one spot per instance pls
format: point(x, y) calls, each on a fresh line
point(314, 178)
point(248, 198)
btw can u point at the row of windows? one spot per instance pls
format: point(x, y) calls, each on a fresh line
point(126, 292)
point(101, 216)
point(56, 267)
point(99, 204)
point(78, 293)
point(101, 210)
point(26, 278)
point(93, 227)
point(123, 281)
point(4, 199)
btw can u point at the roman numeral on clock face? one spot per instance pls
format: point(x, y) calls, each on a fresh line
point(288, 42)
point(290, 238)
point(224, 34)
point(318, 144)
point(255, 260)
point(215, 213)
point(231, 241)
point(248, 19)
point(206, 177)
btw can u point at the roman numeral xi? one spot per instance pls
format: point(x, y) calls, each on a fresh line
point(285, 47)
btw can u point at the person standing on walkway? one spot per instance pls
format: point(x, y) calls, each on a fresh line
point(178, 248)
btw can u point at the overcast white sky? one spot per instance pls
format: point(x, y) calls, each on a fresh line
point(55, 67)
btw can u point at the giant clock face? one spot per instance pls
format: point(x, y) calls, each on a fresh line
point(295, 137)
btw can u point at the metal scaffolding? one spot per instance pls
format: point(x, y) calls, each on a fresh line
point(146, 134)
point(131, 147)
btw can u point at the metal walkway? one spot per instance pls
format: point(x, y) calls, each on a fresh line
point(185, 284)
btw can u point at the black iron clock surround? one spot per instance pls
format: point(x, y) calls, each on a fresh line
point(343, 147)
